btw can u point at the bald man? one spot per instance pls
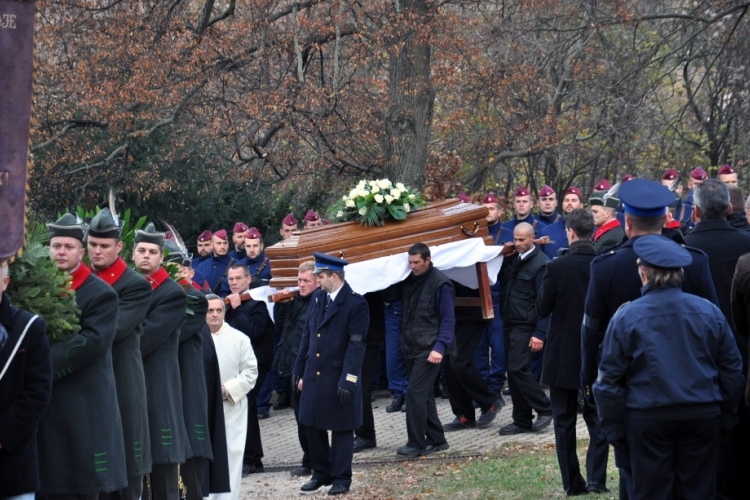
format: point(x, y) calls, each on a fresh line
point(524, 331)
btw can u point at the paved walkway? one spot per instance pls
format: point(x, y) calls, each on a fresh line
point(282, 450)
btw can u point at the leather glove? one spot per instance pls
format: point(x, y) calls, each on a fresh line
point(343, 395)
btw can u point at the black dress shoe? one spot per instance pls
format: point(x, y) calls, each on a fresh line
point(395, 405)
point(283, 401)
point(432, 448)
point(301, 471)
point(338, 489)
point(363, 444)
point(459, 423)
point(490, 413)
point(247, 469)
point(542, 422)
point(313, 485)
point(511, 429)
point(409, 451)
point(597, 488)
point(403, 408)
point(263, 414)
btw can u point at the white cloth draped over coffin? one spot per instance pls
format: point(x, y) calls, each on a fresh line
point(456, 259)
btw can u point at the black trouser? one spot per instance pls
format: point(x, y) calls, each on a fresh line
point(301, 431)
point(253, 444)
point(423, 426)
point(369, 367)
point(331, 463)
point(565, 412)
point(730, 482)
point(90, 496)
point(191, 473)
point(673, 458)
point(524, 389)
point(462, 378)
point(132, 491)
point(164, 482)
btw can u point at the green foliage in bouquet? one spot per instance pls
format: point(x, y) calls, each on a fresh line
point(37, 285)
point(373, 202)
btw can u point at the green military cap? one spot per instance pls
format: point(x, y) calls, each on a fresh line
point(67, 225)
point(103, 225)
point(149, 235)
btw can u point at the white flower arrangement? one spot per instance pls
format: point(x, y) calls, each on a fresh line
point(372, 202)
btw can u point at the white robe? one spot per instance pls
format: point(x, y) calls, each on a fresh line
point(239, 371)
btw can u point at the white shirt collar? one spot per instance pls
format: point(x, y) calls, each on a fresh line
point(333, 294)
point(523, 256)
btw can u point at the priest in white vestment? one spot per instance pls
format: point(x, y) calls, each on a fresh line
point(239, 370)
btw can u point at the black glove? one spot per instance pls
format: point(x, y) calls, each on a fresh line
point(343, 395)
point(295, 382)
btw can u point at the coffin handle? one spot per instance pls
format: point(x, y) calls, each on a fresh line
point(470, 233)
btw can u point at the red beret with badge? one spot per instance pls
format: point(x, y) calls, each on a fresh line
point(289, 220)
point(521, 191)
point(490, 198)
point(574, 190)
point(627, 177)
point(602, 185)
point(312, 216)
point(205, 236)
point(239, 227)
point(670, 175)
point(222, 234)
point(253, 234)
point(546, 191)
point(726, 170)
point(699, 174)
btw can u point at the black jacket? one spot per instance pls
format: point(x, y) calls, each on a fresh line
point(563, 294)
point(252, 319)
point(738, 220)
point(292, 317)
point(520, 282)
point(25, 392)
point(724, 245)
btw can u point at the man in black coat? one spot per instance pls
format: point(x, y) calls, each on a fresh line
point(520, 280)
point(364, 435)
point(328, 372)
point(194, 397)
point(25, 392)
point(291, 318)
point(134, 293)
point(738, 217)
point(563, 293)
point(81, 449)
point(251, 318)
point(159, 347)
point(724, 245)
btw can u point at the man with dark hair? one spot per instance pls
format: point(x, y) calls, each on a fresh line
point(614, 281)
point(562, 294)
point(160, 340)
point(134, 292)
point(724, 245)
point(737, 218)
point(238, 238)
point(427, 333)
point(81, 448)
point(24, 394)
point(291, 318)
point(251, 318)
point(258, 265)
point(327, 371)
point(525, 331)
point(556, 231)
point(288, 225)
point(216, 267)
point(204, 247)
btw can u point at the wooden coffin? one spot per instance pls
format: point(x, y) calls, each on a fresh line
point(435, 224)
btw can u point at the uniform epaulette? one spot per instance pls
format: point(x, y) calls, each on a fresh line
point(621, 306)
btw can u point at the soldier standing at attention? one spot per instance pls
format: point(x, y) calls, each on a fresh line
point(548, 213)
point(556, 232)
point(614, 281)
point(81, 449)
point(204, 247)
point(160, 341)
point(523, 204)
point(238, 238)
point(134, 292)
point(215, 268)
point(327, 371)
point(288, 225)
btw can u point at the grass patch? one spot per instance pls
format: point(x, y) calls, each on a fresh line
point(516, 471)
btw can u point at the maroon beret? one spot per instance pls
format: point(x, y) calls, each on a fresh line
point(726, 169)
point(464, 197)
point(289, 220)
point(546, 191)
point(490, 198)
point(627, 177)
point(522, 191)
point(253, 234)
point(312, 215)
point(574, 190)
point(239, 227)
point(222, 234)
point(602, 185)
point(670, 175)
point(205, 235)
point(699, 174)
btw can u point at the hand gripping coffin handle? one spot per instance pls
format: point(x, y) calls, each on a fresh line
point(472, 232)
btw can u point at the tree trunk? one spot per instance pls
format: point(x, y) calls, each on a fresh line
point(411, 98)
